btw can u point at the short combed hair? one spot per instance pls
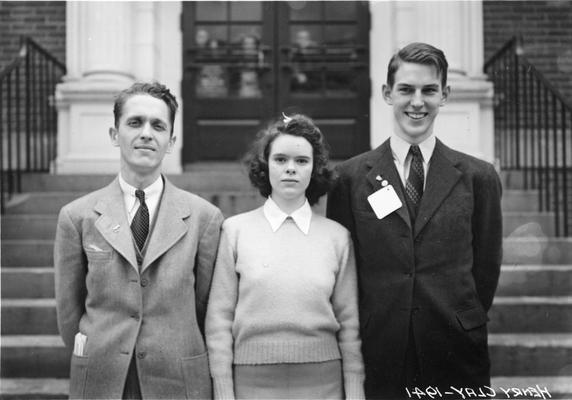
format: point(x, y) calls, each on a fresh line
point(418, 53)
point(154, 89)
point(298, 125)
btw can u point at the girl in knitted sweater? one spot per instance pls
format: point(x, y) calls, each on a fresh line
point(282, 319)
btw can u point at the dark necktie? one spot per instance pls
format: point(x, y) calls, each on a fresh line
point(140, 223)
point(414, 186)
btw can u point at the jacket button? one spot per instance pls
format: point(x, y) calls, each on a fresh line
point(135, 317)
point(141, 355)
point(408, 274)
point(144, 282)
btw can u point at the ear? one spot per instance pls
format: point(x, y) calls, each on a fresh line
point(172, 141)
point(445, 96)
point(386, 92)
point(113, 135)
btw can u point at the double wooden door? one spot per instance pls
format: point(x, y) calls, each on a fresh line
point(246, 63)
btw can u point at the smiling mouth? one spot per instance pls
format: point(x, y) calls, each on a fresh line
point(416, 115)
point(144, 148)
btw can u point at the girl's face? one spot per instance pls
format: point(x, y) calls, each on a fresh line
point(290, 165)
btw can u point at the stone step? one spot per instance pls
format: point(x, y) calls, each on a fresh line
point(27, 282)
point(531, 314)
point(519, 200)
point(517, 251)
point(515, 280)
point(553, 387)
point(508, 314)
point(515, 221)
point(34, 356)
point(558, 387)
point(512, 355)
point(230, 202)
point(525, 354)
point(29, 317)
point(535, 280)
point(27, 253)
point(537, 250)
point(29, 226)
point(210, 178)
point(34, 389)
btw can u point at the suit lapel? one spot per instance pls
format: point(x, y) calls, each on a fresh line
point(382, 164)
point(113, 224)
point(170, 224)
point(441, 178)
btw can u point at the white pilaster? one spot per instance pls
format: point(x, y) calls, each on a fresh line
point(466, 122)
point(109, 46)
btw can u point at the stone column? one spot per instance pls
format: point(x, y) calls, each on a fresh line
point(109, 46)
point(466, 122)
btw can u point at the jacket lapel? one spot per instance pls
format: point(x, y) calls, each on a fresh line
point(382, 164)
point(441, 178)
point(112, 223)
point(170, 224)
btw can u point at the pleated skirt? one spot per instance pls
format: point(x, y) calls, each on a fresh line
point(320, 380)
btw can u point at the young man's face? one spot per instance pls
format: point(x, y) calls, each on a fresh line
point(143, 135)
point(416, 96)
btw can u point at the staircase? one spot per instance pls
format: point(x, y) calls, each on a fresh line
point(531, 319)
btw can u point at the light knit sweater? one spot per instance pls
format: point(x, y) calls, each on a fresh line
point(283, 297)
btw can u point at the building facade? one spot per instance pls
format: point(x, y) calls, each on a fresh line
point(234, 65)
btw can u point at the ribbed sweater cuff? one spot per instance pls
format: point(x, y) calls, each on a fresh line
point(290, 351)
point(353, 385)
point(223, 388)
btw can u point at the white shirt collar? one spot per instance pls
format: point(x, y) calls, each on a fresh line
point(152, 197)
point(400, 148)
point(276, 217)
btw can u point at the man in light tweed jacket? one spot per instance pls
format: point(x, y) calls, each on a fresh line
point(134, 262)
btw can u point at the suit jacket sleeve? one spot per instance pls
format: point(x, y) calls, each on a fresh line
point(487, 235)
point(204, 264)
point(339, 204)
point(70, 271)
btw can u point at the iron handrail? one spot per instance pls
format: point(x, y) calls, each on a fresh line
point(533, 130)
point(28, 118)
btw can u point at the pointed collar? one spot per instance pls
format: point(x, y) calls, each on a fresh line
point(276, 217)
point(400, 148)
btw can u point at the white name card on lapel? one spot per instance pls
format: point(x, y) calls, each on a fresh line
point(384, 201)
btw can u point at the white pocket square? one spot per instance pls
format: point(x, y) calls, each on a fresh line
point(94, 247)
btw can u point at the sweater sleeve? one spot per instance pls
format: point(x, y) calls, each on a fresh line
point(220, 317)
point(345, 303)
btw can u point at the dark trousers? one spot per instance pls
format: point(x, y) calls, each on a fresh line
point(132, 389)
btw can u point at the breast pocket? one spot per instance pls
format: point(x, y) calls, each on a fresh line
point(98, 256)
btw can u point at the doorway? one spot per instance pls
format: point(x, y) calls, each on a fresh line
point(245, 63)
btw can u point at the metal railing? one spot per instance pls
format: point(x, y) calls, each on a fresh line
point(28, 117)
point(533, 131)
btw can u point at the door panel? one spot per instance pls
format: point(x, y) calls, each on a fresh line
point(246, 62)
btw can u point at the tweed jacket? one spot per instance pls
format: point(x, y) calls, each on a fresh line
point(155, 312)
point(436, 278)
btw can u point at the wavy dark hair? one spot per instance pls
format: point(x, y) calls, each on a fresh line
point(153, 89)
point(256, 159)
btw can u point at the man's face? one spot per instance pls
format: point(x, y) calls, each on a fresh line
point(416, 96)
point(143, 135)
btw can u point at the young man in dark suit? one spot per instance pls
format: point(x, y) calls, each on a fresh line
point(428, 242)
point(133, 267)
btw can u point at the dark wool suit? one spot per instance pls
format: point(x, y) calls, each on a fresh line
point(434, 281)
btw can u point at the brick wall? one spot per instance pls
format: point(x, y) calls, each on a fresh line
point(43, 21)
point(546, 28)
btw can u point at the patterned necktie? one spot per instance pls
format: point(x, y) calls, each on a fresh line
point(140, 223)
point(414, 186)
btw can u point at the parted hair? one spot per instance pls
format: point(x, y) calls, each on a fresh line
point(256, 159)
point(154, 89)
point(418, 53)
